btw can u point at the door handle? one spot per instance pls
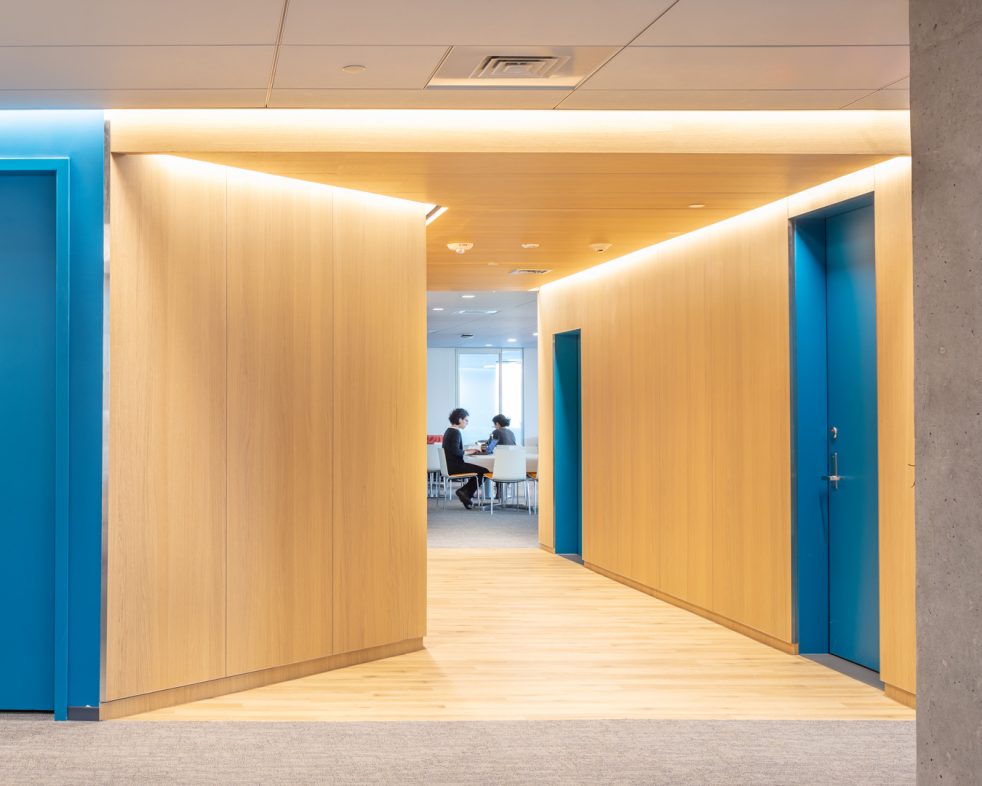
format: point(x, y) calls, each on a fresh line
point(835, 477)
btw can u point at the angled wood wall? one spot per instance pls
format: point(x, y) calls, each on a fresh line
point(267, 352)
point(687, 418)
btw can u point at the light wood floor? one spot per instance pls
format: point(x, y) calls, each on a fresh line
point(522, 634)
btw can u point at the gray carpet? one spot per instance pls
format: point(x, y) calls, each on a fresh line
point(455, 527)
point(557, 753)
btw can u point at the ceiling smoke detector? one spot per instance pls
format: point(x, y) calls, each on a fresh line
point(460, 248)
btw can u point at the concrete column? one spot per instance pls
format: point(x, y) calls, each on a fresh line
point(946, 127)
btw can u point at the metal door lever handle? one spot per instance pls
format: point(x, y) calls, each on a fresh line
point(835, 477)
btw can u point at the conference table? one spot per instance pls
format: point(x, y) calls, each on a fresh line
point(487, 461)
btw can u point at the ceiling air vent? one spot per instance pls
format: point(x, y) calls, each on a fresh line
point(529, 271)
point(517, 67)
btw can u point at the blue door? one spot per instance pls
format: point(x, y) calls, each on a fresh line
point(567, 447)
point(854, 608)
point(27, 440)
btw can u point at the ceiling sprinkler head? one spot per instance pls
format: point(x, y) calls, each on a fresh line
point(460, 248)
point(600, 247)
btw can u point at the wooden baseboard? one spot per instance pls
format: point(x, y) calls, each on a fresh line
point(900, 696)
point(544, 547)
point(763, 638)
point(134, 705)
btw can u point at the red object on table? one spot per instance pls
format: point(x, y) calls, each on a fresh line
point(434, 439)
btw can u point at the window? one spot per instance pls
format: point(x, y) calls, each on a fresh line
point(489, 381)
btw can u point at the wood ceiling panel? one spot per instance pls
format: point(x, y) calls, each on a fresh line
point(562, 180)
point(564, 202)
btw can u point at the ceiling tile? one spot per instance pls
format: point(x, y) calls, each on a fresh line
point(752, 68)
point(451, 22)
point(134, 67)
point(779, 22)
point(884, 99)
point(118, 22)
point(253, 98)
point(442, 98)
point(391, 67)
point(712, 99)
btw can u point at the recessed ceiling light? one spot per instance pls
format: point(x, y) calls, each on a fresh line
point(354, 68)
point(530, 245)
point(697, 205)
point(489, 345)
point(468, 297)
point(438, 308)
point(513, 340)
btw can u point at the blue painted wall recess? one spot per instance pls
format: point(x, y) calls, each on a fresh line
point(51, 371)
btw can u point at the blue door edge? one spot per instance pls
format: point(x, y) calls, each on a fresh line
point(59, 167)
point(809, 580)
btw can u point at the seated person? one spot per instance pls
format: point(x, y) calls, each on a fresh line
point(502, 435)
point(453, 447)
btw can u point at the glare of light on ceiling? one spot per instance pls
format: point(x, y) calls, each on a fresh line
point(434, 214)
point(438, 308)
point(468, 297)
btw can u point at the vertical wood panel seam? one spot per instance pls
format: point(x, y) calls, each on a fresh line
point(225, 254)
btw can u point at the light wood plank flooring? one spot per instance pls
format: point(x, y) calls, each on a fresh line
point(522, 634)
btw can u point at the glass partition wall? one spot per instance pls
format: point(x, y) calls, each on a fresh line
point(489, 381)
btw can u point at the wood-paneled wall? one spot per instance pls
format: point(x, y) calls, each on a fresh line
point(267, 358)
point(380, 410)
point(165, 601)
point(280, 418)
point(687, 415)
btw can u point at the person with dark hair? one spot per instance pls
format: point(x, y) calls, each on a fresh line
point(502, 435)
point(453, 447)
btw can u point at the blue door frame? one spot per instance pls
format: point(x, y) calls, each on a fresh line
point(834, 385)
point(567, 444)
point(59, 167)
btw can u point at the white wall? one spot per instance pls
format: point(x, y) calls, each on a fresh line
point(530, 385)
point(441, 389)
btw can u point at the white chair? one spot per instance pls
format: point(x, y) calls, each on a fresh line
point(449, 480)
point(433, 474)
point(532, 444)
point(509, 471)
